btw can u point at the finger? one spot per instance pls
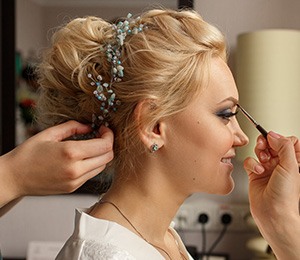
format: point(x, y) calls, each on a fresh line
point(296, 143)
point(264, 156)
point(85, 169)
point(261, 150)
point(89, 175)
point(252, 166)
point(105, 133)
point(72, 185)
point(66, 130)
point(285, 149)
point(93, 163)
point(94, 147)
point(261, 143)
point(89, 148)
point(99, 146)
point(84, 178)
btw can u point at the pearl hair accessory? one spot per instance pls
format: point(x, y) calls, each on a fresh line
point(104, 92)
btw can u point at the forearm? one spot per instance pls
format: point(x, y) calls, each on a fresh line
point(47, 164)
point(8, 187)
point(8, 206)
point(284, 237)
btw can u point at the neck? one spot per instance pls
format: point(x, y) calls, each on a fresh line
point(148, 202)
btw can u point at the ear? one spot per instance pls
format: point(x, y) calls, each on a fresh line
point(150, 132)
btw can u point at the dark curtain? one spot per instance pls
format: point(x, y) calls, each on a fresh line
point(185, 3)
point(7, 75)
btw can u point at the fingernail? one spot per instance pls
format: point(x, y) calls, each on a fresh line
point(260, 143)
point(275, 135)
point(259, 169)
point(264, 156)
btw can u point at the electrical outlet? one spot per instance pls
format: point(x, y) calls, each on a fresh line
point(239, 214)
point(190, 213)
point(184, 217)
point(187, 217)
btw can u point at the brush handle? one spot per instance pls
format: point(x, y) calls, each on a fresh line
point(262, 131)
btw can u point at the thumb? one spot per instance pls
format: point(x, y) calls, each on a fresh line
point(285, 151)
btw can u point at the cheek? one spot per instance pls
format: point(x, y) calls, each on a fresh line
point(199, 142)
point(196, 157)
point(211, 150)
point(223, 140)
point(216, 140)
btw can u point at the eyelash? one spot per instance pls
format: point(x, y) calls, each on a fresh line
point(226, 115)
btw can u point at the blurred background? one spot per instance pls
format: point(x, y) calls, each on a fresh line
point(37, 227)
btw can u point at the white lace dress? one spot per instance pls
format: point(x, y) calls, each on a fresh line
point(95, 239)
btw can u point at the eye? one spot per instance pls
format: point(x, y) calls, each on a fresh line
point(226, 114)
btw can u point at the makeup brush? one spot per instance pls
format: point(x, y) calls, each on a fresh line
point(251, 119)
point(258, 126)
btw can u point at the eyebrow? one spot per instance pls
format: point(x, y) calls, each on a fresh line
point(232, 99)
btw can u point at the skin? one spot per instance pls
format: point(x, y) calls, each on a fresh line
point(274, 191)
point(46, 164)
point(193, 145)
point(210, 138)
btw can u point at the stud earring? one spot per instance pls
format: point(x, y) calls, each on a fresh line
point(153, 148)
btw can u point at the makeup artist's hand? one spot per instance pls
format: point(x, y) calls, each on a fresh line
point(274, 190)
point(46, 164)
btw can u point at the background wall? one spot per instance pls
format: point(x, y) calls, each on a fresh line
point(30, 33)
point(37, 19)
point(51, 218)
point(235, 17)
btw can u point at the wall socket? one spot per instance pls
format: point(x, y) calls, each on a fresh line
point(188, 214)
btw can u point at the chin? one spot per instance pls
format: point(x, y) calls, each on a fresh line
point(226, 189)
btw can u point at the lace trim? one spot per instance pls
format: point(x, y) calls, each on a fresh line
point(92, 250)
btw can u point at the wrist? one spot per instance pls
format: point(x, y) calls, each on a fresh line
point(284, 237)
point(9, 189)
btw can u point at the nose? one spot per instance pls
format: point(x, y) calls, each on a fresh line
point(241, 138)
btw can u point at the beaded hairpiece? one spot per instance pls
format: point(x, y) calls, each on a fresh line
point(104, 92)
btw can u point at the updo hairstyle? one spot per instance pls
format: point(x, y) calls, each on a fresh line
point(166, 64)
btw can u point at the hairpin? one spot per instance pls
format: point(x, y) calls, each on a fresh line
point(104, 92)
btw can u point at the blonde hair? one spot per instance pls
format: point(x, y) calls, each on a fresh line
point(166, 63)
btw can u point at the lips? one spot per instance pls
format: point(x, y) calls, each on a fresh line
point(226, 160)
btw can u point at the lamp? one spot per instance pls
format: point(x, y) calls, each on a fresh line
point(268, 80)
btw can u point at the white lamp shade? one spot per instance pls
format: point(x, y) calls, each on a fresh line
point(268, 80)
